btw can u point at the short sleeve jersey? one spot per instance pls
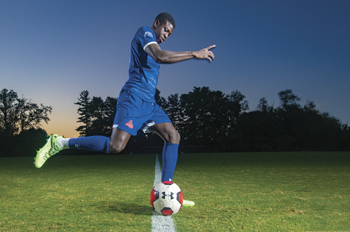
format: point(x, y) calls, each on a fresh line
point(143, 70)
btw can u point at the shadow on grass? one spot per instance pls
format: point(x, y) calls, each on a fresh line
point(123, 207)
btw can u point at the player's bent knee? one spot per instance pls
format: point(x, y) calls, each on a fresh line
point(115, 147)
point(174, 137)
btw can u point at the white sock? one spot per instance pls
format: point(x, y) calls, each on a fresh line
point(63, 143)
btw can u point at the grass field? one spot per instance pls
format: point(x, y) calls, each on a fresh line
point(233, 192)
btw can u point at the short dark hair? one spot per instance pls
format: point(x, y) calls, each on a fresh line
point(162, 17)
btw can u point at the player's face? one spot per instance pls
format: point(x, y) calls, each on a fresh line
point(162, 31)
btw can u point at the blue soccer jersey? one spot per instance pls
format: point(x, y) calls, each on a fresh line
point(143, 70)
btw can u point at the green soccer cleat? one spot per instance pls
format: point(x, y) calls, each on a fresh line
point(187, 203)
point(49, 149)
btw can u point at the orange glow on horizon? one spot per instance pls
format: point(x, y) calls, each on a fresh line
point(67, 130)
point(63, 124)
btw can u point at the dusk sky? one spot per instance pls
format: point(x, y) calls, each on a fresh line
point(51, 50)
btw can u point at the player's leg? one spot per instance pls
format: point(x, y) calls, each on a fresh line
point(171, 139)
point(160, 124)
point(119, 138)
point(57, 143)
point(115, 144)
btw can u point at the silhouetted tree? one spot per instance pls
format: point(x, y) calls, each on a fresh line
point(97, 107)
point(110, 110)
point(96, 115)
point(8, 112)
point(263, 106)
point(209, 116)
point(30, 115)
point(174, 110)
point(84, 112)
point(288, 98)
point(18, 114)
point(306, 127)
point(238, 105)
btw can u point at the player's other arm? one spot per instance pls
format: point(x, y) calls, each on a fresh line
point(167, 57)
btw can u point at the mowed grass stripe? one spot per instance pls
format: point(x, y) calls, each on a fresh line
point(159, 222)
point(243, 192)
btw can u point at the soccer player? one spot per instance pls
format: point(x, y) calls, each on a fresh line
point(136, 106)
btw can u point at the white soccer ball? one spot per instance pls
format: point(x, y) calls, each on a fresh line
point(166, 198)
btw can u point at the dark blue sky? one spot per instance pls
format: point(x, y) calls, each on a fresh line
point(50, 51)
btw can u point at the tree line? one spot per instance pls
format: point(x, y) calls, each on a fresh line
point(208, 121)
point(20, 124)
point(213, 121)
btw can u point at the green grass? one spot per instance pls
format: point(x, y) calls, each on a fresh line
point(233, 192)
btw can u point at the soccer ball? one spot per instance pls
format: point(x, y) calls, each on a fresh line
point(166, 198)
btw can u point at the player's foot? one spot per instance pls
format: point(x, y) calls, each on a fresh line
point(187, 203)
point(49, 149)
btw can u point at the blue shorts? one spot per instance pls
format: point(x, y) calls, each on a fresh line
point(133, 113)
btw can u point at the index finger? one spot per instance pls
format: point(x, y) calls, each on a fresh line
point(211, 46)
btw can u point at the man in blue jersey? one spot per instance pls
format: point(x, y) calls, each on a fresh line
point(136, 107)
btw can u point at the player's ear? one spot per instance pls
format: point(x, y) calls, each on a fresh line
point(156, 23)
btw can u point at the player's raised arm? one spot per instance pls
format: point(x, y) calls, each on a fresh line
point(167, 57)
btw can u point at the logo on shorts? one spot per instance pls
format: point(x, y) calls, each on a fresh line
point(129, 124)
